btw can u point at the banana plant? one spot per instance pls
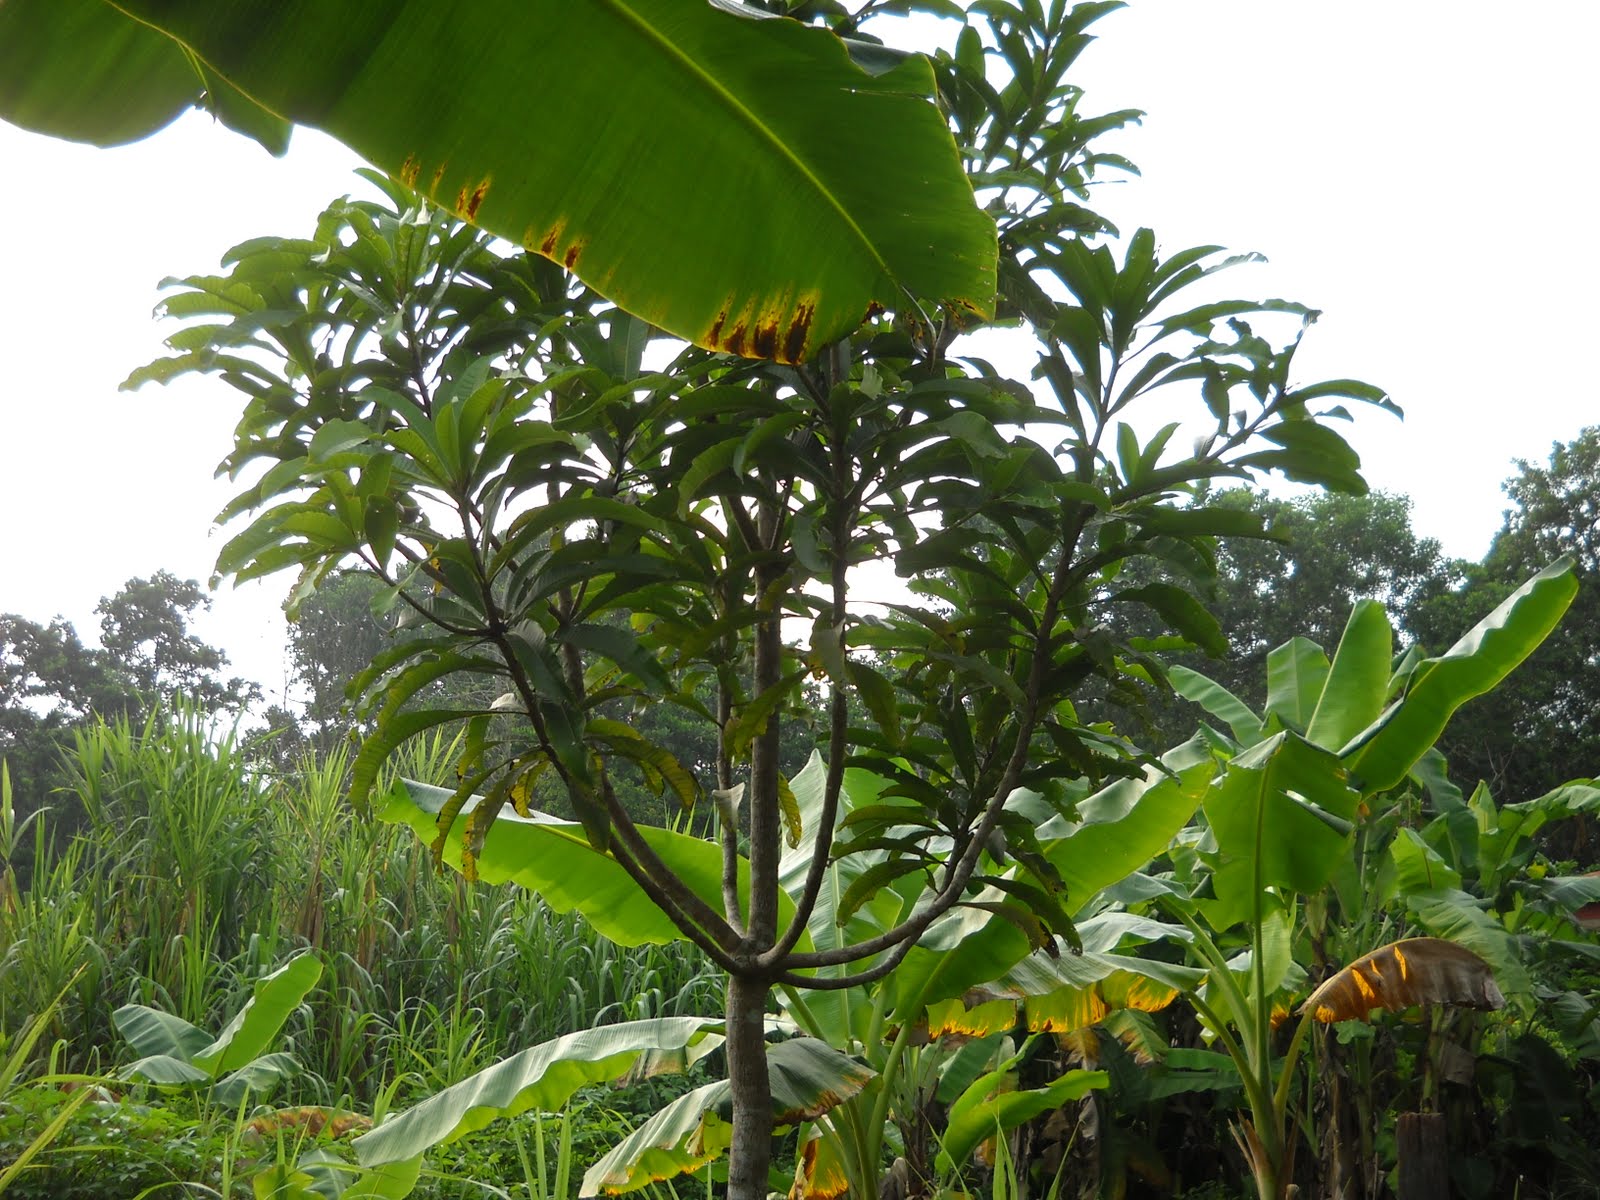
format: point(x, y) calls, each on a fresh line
point(1282, 816)
point(738, 181)
point(236, 1062)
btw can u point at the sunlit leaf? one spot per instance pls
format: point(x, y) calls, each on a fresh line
point(542, 1077)
point(1402, 974)
point(585, 132)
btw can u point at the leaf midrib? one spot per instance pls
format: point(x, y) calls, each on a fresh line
point(710, 83)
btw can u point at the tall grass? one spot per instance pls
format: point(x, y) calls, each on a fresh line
point(197, 870)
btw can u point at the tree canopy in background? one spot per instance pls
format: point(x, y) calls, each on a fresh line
point(1544, 726)
point(51, 682)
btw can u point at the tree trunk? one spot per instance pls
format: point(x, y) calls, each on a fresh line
point(1424, 1172)
point(751, 1152)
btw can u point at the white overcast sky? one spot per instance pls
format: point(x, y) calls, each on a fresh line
point(1422, 171)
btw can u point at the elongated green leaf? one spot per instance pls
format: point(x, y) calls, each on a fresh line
point(1004, 1111)
point(256, 1077)
point(809, 1078)
point(1126, 824)
point(141, 78)
point(153, 1032)
point(255, 1026)
point(542, 1077)
point(1219, 702)
point(740, 183)
point(555, 858)
point(1296, 674)
point(1285, 808)
point(1385, 751)
point(1117, 830)
point(167, 1071)
point(1418, 867)
point(1358, 683)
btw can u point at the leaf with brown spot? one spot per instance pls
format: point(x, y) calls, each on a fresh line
point(850, 189)
point(475, 201)
point(1403, 974)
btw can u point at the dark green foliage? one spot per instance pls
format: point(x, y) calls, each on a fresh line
point(588, 526)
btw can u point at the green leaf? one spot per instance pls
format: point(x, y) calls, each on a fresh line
point(1285, 808)
point(555, 859)
point(1418, 866)
point(166, 1071)
point(999, 1113)
point(258, 1076)
point(1219, 702)
point(255, 1026)
point(1124, 825)
point(1114, 833)
point(1178, 607)
point(809, 1078)
point(1358, 683)
point(152, 1032)
point(142, 80)
point(1381, 755)
point(1297, 671)
point(542, 1077)
point(848, 186)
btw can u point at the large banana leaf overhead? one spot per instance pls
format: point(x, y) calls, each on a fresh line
point(738, 182)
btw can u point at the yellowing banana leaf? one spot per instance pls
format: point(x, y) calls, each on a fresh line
point(1414, 971)
point(809, 1078)
point(740, 183)
point(819, 1174)
point(1381, 755)
point(544, 1077)
point(1074, 991)
point(554, 858)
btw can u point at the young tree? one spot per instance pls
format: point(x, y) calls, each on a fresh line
point(591, 517)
